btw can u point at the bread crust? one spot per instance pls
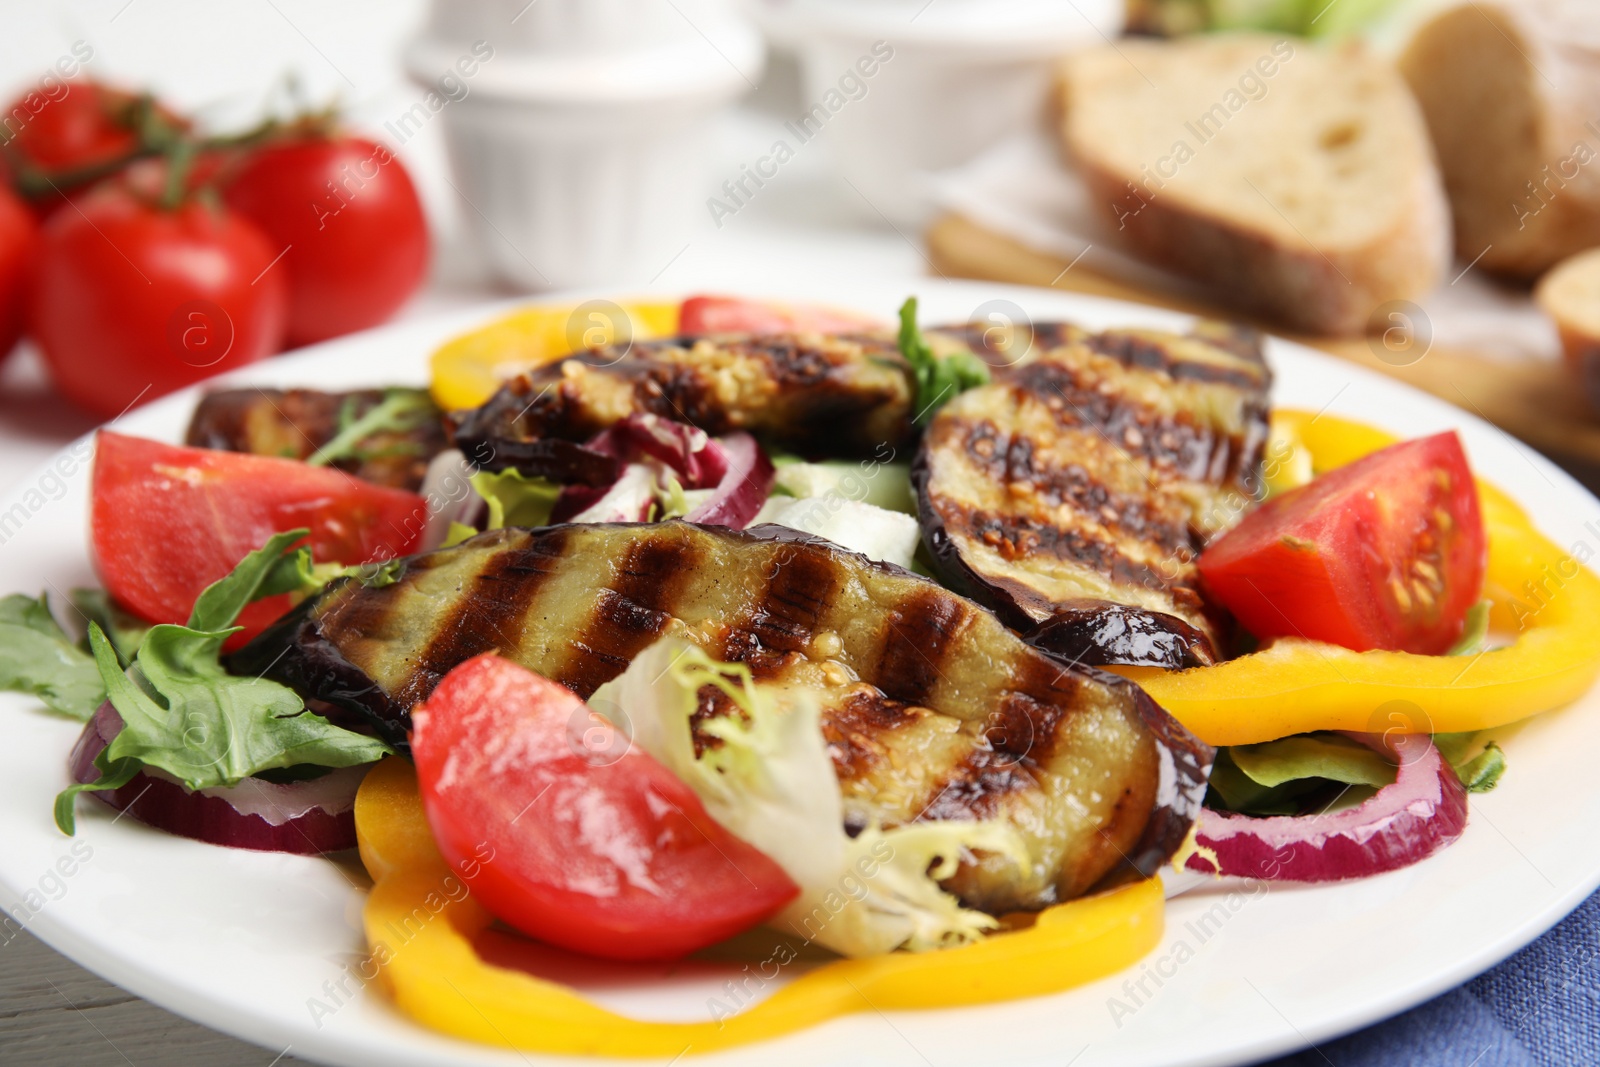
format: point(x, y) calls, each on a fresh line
point(1570, 295)
point(1523, 193)
point(1329, 290)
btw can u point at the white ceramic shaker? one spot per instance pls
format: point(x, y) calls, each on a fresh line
point(963, 75)
point(580, 141)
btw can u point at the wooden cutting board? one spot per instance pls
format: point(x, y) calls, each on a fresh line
point(1536, 402)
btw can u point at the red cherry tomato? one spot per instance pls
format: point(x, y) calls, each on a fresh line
point(347, 212)
point(132, 301)
point(87, 124)
point(1388, 552)
point(19, 241)
point(564, 830)
point(166, 521)
point(78, 134)
point(732, 314)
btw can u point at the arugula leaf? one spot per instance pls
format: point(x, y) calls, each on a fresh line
point(399, 411)
point(515, 500)
point(259, 574)
point(37, 657)
point(184, 714)
point(124, 630)
point(1475, 633)
point(294, 573)
point(937, 378)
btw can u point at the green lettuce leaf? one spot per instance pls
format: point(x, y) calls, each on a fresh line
point(185, 715)
point(883, 485)
point(39, 658)
point(1328, 756)
point(937, 378)
point(1478, 769)
point(515, 500)
point(1475, 634)
point(770, 781)
point(1297, 774)
point(457, 533)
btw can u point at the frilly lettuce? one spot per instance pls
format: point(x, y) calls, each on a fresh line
point(770, 781)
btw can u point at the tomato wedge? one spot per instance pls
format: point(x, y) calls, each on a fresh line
point(564, 830)
point(167, 521)
point(732, 314)
point(1388, 552)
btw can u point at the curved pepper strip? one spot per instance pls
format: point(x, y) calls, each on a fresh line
point(1294, 686)
point(436, 976)
point(466, 370)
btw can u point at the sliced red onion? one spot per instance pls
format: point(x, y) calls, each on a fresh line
point(697, 460)
point(744, 487)
point(309, 817)
point(447, 490)
point(628, 500)
point(1424, 810)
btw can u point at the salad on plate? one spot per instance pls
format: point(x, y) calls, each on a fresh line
point(914, 664)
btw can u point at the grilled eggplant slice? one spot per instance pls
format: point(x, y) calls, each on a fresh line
point(832, 395)
point(1073, 494)
point(295, 423)
point(932, 708)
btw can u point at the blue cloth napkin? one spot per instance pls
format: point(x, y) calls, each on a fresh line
point(1540, 1008)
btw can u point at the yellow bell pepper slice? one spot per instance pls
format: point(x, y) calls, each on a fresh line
point(467, 370)
point(1294, 686)
point(421, 920)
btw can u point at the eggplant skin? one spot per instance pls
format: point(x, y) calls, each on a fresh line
point(835, 395)
point(294, 423)
point(1093, 472)
point(932, 709)
point(1097, 633)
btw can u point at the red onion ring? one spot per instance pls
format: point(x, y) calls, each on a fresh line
point(308, 818)
point(447, 490)
point(744, 486)
point(1424, 810)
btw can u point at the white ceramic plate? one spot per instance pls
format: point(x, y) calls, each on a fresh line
point(250, 943)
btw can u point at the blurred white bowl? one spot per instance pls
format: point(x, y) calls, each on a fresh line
point(582, 146)
point(964, 75)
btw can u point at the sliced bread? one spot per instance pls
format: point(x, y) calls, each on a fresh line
point(1570, 294)
point(1296, 181)
point(1511, 93)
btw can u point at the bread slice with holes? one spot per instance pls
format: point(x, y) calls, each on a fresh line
point(1511, 94)
point(1296, 181)
point(1570, 295)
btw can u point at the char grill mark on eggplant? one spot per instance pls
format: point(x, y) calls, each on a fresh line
point(294, 423)
point(833, 394)
point(932, 709)
point(626, 620)
point(1073, 494)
